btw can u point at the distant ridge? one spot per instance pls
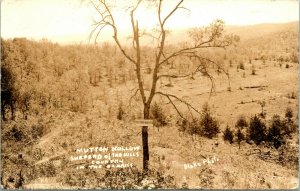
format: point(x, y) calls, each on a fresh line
point(245, 32)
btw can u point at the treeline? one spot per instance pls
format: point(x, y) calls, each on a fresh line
point(38, 76)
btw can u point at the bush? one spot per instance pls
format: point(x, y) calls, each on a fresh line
point(121, 112)
point(190, 126)
point(289, 156)
point(241, 122)
point(15, 134)
point(182, 125)
point(194, 127)
point(257, 130)
point(228, 135)
point(206, 176)
point(289, 113)
point(239, 136)
point(121, 178)
point(241, 66)
point(276, 130)
point(157, 113)
point(47, 169)
point(210, 126)
point(37, 131)
point(253, 71)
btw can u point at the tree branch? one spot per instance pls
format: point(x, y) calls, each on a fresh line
point(107, 19)
point(169, 96)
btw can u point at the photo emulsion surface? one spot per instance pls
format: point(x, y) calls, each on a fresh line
point(149, 94)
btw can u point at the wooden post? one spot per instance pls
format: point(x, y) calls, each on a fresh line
point(145, 123)
point(145, 148)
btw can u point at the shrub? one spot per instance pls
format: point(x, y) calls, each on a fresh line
point(37, 131)
point(121, 178)
point(158, 114)
point(241, 122)
point(228, 135)
point(262, 104)
point(206, 176)
point(241, 66)
point(15, 134)
point(287, 66)
point(253, 71)
point(239, 137)
point(182, 125)
point(47, 169)
point(121, 112)
point(293, 95)
point(275, 132)
point(230, 64)
point(210, 126)
point(194, 127)
point(229, 179)
point(289, 156)
point(289, 113)
point(257, 130)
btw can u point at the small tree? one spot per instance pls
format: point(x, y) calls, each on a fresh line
point(253, 71)
point(121, 112)
point(275, 133)
point(262, 104)
point(157, 113)
point(228, 135)
point(241, 65)
point(289, 114)
point(241, 122)
point(239, 137)
point(194, 127)
point(257, 130)
point(210, 126)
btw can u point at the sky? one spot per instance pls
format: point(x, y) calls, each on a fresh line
point(70, 21)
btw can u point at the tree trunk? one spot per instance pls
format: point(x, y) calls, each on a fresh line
point(145, 139)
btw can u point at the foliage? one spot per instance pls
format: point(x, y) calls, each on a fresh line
point(46, 170)
point(257, 130)
point(206, 176)
point(121, 112)
point(239, 136)
point(276, 131)
point(289, 156)
point(8, 91)
point(241, 66)
point(241, 122)
point(289, 113)
point(228, 135)
point(120, 178)
point(158, 114)
point(210, 126)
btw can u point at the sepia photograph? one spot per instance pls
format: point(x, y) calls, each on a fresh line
point(149, 94)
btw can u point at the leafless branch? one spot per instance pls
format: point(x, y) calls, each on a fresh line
point(107, 19)
point(169, 96)
point(130, 99)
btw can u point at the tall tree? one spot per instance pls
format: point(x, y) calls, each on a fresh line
point(202, 38)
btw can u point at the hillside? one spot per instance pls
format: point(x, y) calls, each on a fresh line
point(244, 32)
point(60, 102)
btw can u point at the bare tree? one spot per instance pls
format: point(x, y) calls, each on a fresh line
point(202, 38)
